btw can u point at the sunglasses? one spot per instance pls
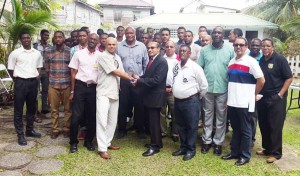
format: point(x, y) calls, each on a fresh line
point(238, 44)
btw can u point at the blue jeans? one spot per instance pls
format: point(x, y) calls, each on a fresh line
point(241, 140)
point(187, 119)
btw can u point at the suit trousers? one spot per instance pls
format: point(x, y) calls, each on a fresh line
point(25, 92)
point(45, 84)
point(241, 140)
point(271, 116)
point(57, 97)
point(106, 122)
point(153, 116)
point(84, 101)
point(214, 101)
point(163, 114)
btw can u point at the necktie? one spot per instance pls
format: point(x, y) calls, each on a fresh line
point(149, 63)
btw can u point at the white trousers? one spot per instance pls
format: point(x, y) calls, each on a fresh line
point(106, 121)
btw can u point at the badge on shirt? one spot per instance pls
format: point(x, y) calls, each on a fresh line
point(95, 65)
point(270, 66)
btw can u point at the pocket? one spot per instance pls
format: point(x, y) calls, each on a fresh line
point(275, 97)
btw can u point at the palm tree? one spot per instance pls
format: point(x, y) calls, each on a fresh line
point(36, 4)
point(292, 26)
point(21, 20)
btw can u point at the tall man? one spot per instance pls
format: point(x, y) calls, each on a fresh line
point(214, 59)
point(271, 108)
point(82, 37)
point(83, 92)
point(134, 58)
point(24, 65)
point(57, 59)
point(153, 83)
point(102, 42)
point(245, 82)
point(165, 37)
point(180, 34)
point(189, 86)
point(195, 49)
point(110, 69)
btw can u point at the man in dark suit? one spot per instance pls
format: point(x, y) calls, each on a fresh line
point(154, 85)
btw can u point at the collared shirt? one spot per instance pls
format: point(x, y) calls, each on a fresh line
point(214, 62)
point(195, 49)
point(76, 48)
point(134, 58)
point(109, 84)
point(258, 57)
point(198, 42)
point(172, 61)
point(38, 46)
point(56, 63)
point(188, 80)
point(242, 74)
point(87, 65)
point(25, 63)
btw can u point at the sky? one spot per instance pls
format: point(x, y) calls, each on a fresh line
point(173, 6)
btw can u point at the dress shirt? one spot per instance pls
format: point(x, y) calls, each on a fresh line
point(172, 61)
point(188, 80)
point(75, 48)
point(87, 65)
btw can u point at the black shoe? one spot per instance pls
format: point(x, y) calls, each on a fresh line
point(22, 140)
point(241, 162)
point(179, 152)
point(175, 138)
point(73, 148)
point(151, 151)
point(218, 150)
point(45, 111)
point(89, 146)
point(142, 135)
point(147, 145)
point(229, 157)
point(33, 134)
point(205, 148)
point(120, 134)
point(188, 156)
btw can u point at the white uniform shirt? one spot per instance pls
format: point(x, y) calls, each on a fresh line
point(172, 61)
point(189, 80)
point(25, 63)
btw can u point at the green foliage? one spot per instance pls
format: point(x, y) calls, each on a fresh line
point(37, 5)
point(280, 46)
point(292, 26)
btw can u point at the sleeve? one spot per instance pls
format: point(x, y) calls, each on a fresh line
point(286, 71)
point(72, 51)
point(12, 59)
point(74, 63)
point(107, 63)
point(201, 61)
point(201, 80)
point(145, 58)
point(47, 60)
point(255, 69)
point(40, 60)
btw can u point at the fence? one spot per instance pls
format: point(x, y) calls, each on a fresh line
point(294, 63)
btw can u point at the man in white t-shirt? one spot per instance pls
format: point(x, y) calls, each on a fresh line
point(246, 79)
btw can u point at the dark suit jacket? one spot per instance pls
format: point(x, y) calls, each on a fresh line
point(154, 83)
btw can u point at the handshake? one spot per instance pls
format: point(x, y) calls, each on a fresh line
point(133, 79)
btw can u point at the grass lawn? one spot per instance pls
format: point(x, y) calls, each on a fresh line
point(129, 160)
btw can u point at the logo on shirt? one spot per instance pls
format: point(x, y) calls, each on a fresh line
point(270, 66)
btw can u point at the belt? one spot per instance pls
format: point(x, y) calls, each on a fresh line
point(26, 79)
point(188, 98)
point(85, 84)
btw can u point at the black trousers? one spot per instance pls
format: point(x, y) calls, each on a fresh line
point(271, 116)
point(130, 96)
point(84, 101)
point(25, 92)
point(153, 116)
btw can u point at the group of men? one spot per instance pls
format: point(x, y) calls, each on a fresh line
point(220, 80)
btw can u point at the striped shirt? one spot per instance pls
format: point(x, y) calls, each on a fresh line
point(56, 64)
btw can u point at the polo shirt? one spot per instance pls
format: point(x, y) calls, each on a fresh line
point(25, 62)
point(276, 70)
point(188, 80)
point(214, 62)
point(242, 75)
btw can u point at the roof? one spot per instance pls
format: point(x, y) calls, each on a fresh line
point(227, 20)
point(132, 3)
point(88, 5)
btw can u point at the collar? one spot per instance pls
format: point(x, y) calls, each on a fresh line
point(124, 43)
point(109, 54)
point(215, 47)
point(27, 51)
point(187, 64)
point(154, 57)
point(172, 57)
point(62, 50)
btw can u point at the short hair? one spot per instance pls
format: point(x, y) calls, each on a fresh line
point(166, 29)
point(149, 28)
point(181, 27)
point(184, 45)
point(61, 32)
point(83, 30)
point(157, 44)
point(268, 39)
point(157, 33)
point(223, 32)
point(72, 32)
point(120, 27)
point(111, 35)
point(202, 27)
point(190, 32)
point(243, 38)
point(68, 40)
point(238, 32)
point(104, 33)
point(255, 39)
point(23, 33)
point(145, 33)
point(99, 31)
point(44, 31)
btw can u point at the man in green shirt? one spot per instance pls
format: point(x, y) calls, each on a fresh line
point(214, 59)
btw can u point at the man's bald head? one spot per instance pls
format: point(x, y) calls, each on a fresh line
point(111, 45)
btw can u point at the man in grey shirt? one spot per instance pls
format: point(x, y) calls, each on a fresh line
point(135, 58)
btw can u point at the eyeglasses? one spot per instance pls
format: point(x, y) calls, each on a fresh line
point(152, 47)
point(169, 46)
point(239, 44)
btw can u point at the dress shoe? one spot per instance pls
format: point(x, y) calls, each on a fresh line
point(73, 148)
point(104, 155)
point(175, 138)
point(271, 159)
point(205, 148)
point(89, 146)
point(188, 156)
point(218, 150)
point(113, 147)
point(261, 152)
point(120, 135)
point(54, 135)
point(22, 140)
point(151, 151)
point(229, 157)
point(241, 162)
point(33, 134)
point(179, 152)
